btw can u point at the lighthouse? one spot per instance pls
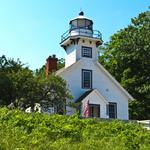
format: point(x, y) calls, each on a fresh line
point(80, 40)
point(90, 84)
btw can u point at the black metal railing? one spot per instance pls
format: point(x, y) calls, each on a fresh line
point(81, 32)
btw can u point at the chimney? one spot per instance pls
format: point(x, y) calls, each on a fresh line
point(51, 64)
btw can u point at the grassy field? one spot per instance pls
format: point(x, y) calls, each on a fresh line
point(22, 131)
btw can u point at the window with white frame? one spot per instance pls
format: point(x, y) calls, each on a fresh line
point(86, 52)
point(86, 79)
point(112, 110)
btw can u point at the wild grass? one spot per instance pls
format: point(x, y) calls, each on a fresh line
point(22, 131)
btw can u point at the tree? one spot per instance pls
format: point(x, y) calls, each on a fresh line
point(5, 89)
point(61, 63)
point(17, 83)
point(10, 64)
point(25, 87)
point(22, 87)
point(127, 57)
point(54, 93)
point(53, 89)
point(6, 86)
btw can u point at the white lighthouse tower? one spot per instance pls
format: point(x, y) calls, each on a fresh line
point(80, 40)
point(89, 82)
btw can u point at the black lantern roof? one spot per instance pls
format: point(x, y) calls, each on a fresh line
point(81, 13)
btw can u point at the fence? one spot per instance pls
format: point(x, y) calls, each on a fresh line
point(145, 123)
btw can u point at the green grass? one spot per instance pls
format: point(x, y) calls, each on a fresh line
point(22, 131)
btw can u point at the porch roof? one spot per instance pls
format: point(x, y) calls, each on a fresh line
point(83, 96)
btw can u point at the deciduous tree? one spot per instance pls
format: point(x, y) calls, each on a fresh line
point(24, 88)
point(127, 57)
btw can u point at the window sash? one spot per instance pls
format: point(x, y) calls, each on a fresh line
point(86, 52)
point(94, 110)
point(86, 78)
point(112, 110)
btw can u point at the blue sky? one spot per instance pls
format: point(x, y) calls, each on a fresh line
point(31, 29)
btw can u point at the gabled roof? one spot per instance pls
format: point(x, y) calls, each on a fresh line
point(115, 81)
point(58, 72)
point(106, 73)
point(84, 95)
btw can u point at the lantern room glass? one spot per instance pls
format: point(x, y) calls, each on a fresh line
point(81, 23)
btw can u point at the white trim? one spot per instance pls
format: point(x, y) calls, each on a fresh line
point(80, 17)
point(60, 71)
point(100, 95)
point(65, 69)
point(115, 81)
point(105, 71)
point(66, 41)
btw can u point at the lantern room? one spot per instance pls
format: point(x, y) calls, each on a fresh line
point(81, 22)
point(80, 27)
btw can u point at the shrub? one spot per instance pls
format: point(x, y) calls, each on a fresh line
point(35, 131)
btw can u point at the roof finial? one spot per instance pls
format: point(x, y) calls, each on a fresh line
point(81, 12)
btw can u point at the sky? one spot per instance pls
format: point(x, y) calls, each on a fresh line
point(31, 29)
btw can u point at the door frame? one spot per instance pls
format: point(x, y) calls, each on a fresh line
point(99, 108)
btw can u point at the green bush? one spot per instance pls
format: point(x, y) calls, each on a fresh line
point(23, 131)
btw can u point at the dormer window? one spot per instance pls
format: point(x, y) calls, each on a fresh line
point(86, 52)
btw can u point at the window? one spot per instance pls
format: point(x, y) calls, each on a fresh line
point(81, 23)
point(86, 52)
point(86, 79)
point(94, 110)
point(73, 24)
point(89, 24)
point(112, 110)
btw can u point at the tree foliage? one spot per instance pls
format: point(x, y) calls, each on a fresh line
point(24, 88)
point(54, 93)
point(127, 57)
point(61, 63)
point(7, 67)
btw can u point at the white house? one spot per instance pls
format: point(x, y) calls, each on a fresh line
point(89, 82)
